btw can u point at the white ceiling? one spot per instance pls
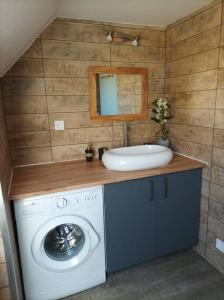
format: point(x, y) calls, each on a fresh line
point(21, 21)
point(142, 12)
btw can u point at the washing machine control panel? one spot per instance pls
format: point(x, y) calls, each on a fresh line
point(78, 199)
point(62, 202)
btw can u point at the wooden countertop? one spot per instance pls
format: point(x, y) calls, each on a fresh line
point(56, 177)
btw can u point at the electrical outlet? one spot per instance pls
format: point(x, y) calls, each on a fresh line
point(220, 245)
point(59, 125)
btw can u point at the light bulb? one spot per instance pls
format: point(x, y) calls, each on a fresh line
point(135, 42)
point(109, 36)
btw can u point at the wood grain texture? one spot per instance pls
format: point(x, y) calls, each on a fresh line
point(217, 193)
point(219, 138)
point(155, 70)
point(75, 31)
point(221, 78)
point(49, 178)
point(198, 151)
point(81, 135)
point(218, 157)
point(75, 50)
point(5, 162)
point(26, 67)
point(195, 134)
point(35, 50)
point(21, 157)
point(194, 82)
point(32, 139)
point(199, 23)
point(217, 175)
point(25, 104)
point(5, 293)
point(23, 86)
point(69, 68)
point(27, 122)
point(197, 117)
point(68, 103)
point(203, 42)
point(192, 64)
point(137, 54)
point(67, 86)
point(220, 99)
point(196, 99)
point(219, 117)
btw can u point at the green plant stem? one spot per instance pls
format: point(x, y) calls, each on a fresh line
point(163, 131)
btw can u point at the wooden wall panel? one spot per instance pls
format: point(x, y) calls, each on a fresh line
point(75, 50)
point(203, 42)
point(5, 175)
point(138, 54)
point(195, 85)
point(25, 105)
point(5, 164)
point(50, 83)
point(197, 24)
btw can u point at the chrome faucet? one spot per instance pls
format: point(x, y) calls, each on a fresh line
point(125, 133)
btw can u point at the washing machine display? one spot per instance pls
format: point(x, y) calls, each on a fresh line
point(61, 243)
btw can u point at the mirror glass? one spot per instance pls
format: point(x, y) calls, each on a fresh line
point(118, 93)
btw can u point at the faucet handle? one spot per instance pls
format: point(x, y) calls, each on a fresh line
point(101, 152)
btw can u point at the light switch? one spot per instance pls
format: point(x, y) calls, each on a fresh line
point(59, 125)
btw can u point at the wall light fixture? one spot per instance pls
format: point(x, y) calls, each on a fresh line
point(134, 39)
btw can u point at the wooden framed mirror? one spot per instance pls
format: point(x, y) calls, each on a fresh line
point(118, 93)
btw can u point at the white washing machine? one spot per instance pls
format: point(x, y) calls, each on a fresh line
point(61, 242)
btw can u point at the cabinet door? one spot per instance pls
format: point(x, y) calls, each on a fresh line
point(178, 211)
point(130, 222)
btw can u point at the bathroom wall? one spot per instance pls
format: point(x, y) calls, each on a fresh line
point(5, 173)
point(195, 85)
point(50, 82)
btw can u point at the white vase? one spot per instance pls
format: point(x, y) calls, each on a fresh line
point(163, 142)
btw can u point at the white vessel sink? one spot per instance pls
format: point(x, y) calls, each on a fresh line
point(137, 157)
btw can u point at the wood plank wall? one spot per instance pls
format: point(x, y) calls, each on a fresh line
point(195, 84)
point(50, 82)
point(5, 173)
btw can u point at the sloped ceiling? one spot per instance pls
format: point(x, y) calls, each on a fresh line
point(21, 21)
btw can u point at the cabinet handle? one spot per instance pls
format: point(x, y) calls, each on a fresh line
point(165, 179)
point(152, 191)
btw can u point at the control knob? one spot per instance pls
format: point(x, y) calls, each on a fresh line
point(62, 202)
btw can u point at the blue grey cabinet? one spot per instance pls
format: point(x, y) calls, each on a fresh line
point(150, 217)
point(130, 222)
point(178, 211)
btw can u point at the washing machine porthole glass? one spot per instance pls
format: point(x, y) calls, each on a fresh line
point(64, 242)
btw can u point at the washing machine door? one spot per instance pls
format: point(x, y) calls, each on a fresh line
point(63, 243)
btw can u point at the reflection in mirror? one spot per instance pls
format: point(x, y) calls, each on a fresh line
point(118, 94)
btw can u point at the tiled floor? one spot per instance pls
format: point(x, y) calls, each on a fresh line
point(182, 276)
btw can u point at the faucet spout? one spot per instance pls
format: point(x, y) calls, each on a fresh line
point(125, 133)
